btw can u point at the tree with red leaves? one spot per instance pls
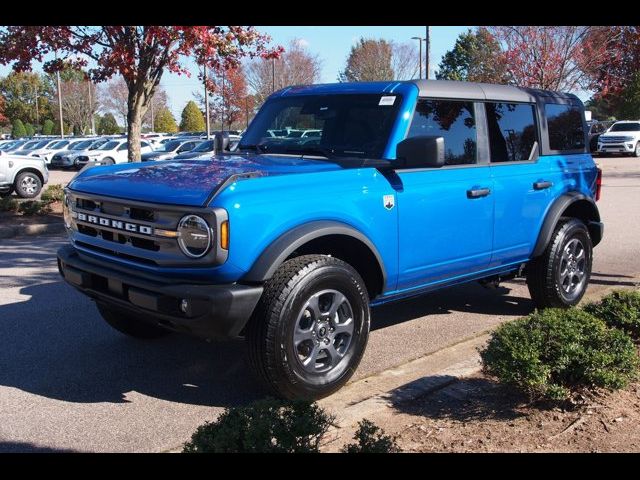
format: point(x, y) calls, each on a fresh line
point(616, 76)
point(141, 54)
point(3, 119)
point(230, 101)
point(550, 57)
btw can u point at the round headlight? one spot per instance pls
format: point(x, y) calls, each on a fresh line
point(194, 236)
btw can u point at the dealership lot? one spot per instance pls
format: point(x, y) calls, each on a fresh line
point(70, 382)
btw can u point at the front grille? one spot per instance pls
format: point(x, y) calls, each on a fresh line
point(126, 229)
point(612, 139)
point(83, 158)
point(56, 158)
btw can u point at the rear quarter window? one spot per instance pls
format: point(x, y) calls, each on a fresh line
point(565, 127)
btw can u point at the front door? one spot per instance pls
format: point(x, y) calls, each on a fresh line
point(445, 214)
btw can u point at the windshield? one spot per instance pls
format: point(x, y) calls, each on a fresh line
point(346, 125)
point(109, 146)
point(169, 146)
point(29, 145)
point(60, 144)
point(97, 144)
point(204, 147)
point(625, 127)
point(42, 144)
point(80, 145)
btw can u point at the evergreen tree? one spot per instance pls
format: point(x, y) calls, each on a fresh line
point(164, 122)
point(18, 130)
point(29, 130)
point(192, 118)
point(108, 125)
point(47, 127)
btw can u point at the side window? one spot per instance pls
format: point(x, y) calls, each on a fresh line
point(452, 120)
point(124, 146)
point(564, 123)
point(512, 131)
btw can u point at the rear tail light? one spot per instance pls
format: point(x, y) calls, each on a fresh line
point(598, 184)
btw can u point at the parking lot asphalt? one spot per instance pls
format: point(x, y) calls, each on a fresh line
point(68, 382)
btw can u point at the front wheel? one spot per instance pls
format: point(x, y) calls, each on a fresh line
point(310, 328)
point(636, 152)
point(27, 185)
point(560, 276)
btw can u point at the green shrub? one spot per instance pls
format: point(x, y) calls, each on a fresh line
point(263, 426)
point(371, 439)
point(53, 193)
point(550, 354)
point(47, 127)
point(8, 204)
point(620, 309)
point(34, 207)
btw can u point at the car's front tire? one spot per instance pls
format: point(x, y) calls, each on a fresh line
point(310, 328)
point(27, 185)
point(129, 325)
point(636, 151)
point(560, 276)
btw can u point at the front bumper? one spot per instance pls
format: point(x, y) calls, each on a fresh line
point(626, 147)
point(212, 311)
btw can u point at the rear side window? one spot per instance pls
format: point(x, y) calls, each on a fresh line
point(564, 123)
point(512, 131)
point(452, 120)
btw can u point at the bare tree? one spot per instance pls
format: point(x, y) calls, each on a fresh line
point(405, 61)
point(296, 66)
point(114, 96)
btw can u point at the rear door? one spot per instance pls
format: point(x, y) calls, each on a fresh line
point(445, 214)
point(522, 181)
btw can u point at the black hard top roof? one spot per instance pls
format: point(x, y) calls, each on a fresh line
point(489, 91)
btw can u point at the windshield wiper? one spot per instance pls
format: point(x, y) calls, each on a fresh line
point(325, 152)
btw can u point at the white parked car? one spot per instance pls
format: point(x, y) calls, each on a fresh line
point(112, 152)
point(621, 137)
point(22, 174)
point(47, 152)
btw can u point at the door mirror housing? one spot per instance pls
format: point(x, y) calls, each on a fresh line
point(422, 151)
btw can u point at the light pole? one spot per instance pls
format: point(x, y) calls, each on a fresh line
point(93, 120)
point(206, 103)
point(419, 55)
point(427, 41)
point(59, 100)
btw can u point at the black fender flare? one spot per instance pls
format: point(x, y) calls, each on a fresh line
point(555, 212)
point(277, 252)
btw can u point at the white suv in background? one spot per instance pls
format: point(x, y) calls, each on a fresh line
point(621, 137)
point(112, 152)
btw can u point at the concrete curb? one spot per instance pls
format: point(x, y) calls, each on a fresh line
point(31, 230)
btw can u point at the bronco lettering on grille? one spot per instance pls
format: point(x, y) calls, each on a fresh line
point(117, 224)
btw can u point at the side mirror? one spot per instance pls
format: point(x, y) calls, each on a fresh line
point(221, 142)
point(422, 151)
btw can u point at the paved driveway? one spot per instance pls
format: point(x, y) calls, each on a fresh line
point(70, 382)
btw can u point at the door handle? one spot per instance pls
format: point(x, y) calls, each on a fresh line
point(478, 192)
point(542, 185)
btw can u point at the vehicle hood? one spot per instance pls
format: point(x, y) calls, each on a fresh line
point(187, 182)
point(621, 134)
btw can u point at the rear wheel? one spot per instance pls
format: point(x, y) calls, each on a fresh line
point(310, 329)
point(560, 276)
point(108, 161)
point(129, 325)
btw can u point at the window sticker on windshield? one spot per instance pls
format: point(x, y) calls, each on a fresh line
point(388, 100)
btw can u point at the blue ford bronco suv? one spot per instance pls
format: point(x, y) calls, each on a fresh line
point(401, 188)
